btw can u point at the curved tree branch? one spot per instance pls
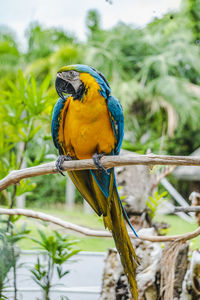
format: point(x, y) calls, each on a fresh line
point(108, 162)
point(91, 232)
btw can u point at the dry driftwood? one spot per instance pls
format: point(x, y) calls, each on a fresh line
point(108, 162)
point(173, 268)
point(115, 284)
point(111, 274)
point(181, 266)
point(160, 275)
point(148, 272)
point(191, 283)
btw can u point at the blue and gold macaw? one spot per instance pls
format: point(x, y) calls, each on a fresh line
point(89, 123)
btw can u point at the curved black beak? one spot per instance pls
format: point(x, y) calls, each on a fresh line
point(63, 86)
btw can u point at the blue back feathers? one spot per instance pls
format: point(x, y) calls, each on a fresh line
point(117, 120)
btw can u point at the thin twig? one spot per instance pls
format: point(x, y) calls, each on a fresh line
point(108, 162)
point(187, 209)
point(21, 154)
point(162, 175)
point(91, 232)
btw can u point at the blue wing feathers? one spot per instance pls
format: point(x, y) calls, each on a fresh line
point(56, 120)
point(117, 120)
point(103, 181)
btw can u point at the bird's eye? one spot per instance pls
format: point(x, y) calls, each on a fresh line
point(71, 73)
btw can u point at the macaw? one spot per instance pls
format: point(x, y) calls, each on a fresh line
point(89, 123)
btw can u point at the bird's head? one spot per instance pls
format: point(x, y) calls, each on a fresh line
point(71, 80)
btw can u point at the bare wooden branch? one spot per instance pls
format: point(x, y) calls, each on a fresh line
point(162, 175)
point(108, 162)
point(91, 232)
point(187, 209)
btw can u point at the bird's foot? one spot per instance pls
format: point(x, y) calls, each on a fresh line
point(60, 160)
point(96, 159)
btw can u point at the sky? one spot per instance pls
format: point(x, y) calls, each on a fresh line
point(71, 14)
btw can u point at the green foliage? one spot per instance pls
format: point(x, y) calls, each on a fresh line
point(66, 54)
point(10, 56)
point(154, 202)
point(23, 111)
point(7, 260)
point(22, 105)
point(9, 252)
point(192, 9)
point(50, 190)
point(59, 249)
point(42, 42)
point(93, 19)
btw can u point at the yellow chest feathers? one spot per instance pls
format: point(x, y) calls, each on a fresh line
point(87, 127)
point(92, 105)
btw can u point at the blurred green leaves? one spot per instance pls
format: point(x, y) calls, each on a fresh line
point(154, 202)
point(43, 41)
point(25, 108)
point(10, 56)
point(59, 248)
point(9, 252)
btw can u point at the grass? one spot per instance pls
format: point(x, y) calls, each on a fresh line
point(77, 216)
point(180, 226)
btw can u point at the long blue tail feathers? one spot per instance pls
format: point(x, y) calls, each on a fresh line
point(126, 217)
point(123, 210)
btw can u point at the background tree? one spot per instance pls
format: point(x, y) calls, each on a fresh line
point(192, 9)
point(10, 56)
point(42, 41)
